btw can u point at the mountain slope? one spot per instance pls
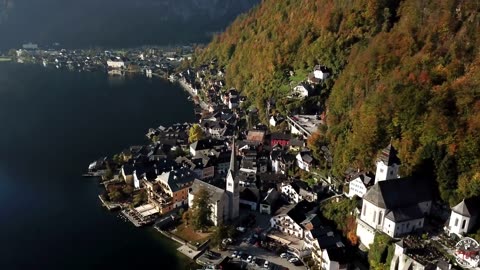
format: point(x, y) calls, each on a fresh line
point(403, 71)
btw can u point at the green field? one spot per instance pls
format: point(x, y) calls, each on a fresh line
point(5, 59)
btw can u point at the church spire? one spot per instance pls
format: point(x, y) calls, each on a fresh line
point(233, 158)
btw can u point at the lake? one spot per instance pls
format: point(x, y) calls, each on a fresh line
point(53, 124)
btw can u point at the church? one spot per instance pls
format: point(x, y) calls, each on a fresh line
point(225, 203)
point(394, 205)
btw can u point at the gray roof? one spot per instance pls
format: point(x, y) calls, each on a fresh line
point(178, 179)
point(272, 197)
point(389, 156)
point(398, 193)
point(404, 214)
point(216, 193)
point(467, 208)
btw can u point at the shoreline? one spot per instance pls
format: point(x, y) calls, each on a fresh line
point(189, 90)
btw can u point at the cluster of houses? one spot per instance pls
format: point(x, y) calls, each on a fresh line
point(141, 60)
point(251, 170)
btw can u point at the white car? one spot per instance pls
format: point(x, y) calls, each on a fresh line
point(266, 264)
point(284, 255)
point(249, 259)
point(235, 254)
point(293, 260)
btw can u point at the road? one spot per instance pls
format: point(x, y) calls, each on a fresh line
point(185, 86)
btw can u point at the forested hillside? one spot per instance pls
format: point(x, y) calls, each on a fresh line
point(406, 71)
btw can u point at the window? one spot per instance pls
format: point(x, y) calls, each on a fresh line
point(364, 209)
point(380, 218)
point(391, 172)
point(464, 223)
point(381, 170)
point(374, 215)
point(456, 222)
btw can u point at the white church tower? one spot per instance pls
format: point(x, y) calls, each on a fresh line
point(388, 164)
point(463, 217)
point(233, 187)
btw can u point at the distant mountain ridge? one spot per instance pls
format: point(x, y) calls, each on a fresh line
point(115, 23)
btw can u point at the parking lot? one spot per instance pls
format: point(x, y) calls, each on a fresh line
point(246, 244)
point(275, 262)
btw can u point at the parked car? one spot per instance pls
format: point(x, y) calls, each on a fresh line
point(227, 241)
point(293, 260)
point(235, 254)
point(266, 264)
point(284, 255)
point(249, 259)
point(254, 259)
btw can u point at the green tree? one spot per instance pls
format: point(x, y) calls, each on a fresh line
point(140, 198)
point(380, 253)
point(196, 133)
point(447, 177)
point(221, 232)
point(201, 210)
point(115, 196)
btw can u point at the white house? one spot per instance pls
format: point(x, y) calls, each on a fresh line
point(275, 120)
point(304, 160)
point(321, 72)
point(463, 217)
point(288, 219)
point(116, 63)
point(297, 191)
point(360, 185)
point(300, 91)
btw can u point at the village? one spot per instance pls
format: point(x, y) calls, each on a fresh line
point(238, 194)
point(149, 60)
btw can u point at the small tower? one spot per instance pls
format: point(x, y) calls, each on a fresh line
point(388, 164)
point(232, 186)
point(463, 217)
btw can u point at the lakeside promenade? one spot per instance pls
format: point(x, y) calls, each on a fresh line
point(189, 89)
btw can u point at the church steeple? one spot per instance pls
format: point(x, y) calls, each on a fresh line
point(388, 164)
point(233, 189)
point(233, 158)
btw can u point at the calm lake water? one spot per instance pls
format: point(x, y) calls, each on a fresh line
point(52, 124)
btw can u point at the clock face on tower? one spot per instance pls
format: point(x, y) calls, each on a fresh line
point(467, 252)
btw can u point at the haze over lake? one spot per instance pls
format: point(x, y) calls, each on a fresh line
point(114, 23)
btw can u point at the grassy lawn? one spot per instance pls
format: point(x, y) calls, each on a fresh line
point(189, 234)
point(300, 76)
